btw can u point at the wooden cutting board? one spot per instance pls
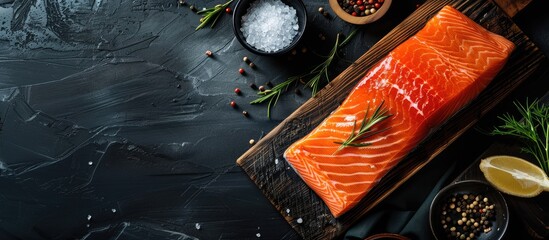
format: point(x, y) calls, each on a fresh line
point(299, 205)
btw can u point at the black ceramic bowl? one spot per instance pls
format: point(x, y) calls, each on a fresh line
point(499, 225)
point(242, 7)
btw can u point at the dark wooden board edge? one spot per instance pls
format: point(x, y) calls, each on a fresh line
point(300, 206)
point(512, 7)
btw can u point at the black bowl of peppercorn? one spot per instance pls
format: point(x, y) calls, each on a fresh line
point(469, 210)
point(360, 11)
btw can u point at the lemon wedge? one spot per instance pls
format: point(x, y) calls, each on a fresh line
point(514, 176)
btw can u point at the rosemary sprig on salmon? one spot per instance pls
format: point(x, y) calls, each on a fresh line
point(365, 131)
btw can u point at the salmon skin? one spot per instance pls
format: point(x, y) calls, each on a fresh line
point(421, 83)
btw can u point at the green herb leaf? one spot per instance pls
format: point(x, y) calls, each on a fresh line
point(211, 14)
point(314, 76)
point(532, 130)
point(365, 130)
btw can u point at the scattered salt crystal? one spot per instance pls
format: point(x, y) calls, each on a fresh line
point(269, 25)
point(288, 210)
point(113, 210)
point(197, 226)
point(300, 220)
point(276, 161)
point(90, 163)
point(88, 225)
point(258, 235)
point(89, 217)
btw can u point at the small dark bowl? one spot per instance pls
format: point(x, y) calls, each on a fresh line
point(242, 7)
point(499, 225)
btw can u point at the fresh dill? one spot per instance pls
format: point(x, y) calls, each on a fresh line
point(532, 130)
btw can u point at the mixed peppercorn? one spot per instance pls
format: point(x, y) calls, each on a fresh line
point(467, 216)
point(360, 8)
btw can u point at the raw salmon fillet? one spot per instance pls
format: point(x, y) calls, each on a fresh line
point(422, 82)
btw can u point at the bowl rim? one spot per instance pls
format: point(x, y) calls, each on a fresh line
point(449, 187)
point(359, 20)
point(296, 40)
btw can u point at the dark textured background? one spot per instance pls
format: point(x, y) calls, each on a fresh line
point(109, 109)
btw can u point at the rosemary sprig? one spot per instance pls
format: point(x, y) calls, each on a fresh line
point(532, 129)
point(321, 70)
point(274, 93)
point(314, 77)
point(365, 130)
point(211, 14)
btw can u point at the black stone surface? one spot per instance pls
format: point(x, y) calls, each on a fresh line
point(114, 124)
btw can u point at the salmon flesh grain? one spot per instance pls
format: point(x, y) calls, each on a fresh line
point(421, 83)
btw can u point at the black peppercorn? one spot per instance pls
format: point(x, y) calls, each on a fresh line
point(360, 7)
point(465, 216)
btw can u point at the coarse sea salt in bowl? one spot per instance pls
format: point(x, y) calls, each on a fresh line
point(269, 27)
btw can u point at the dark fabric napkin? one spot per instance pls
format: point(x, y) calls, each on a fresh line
point(406, 211)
